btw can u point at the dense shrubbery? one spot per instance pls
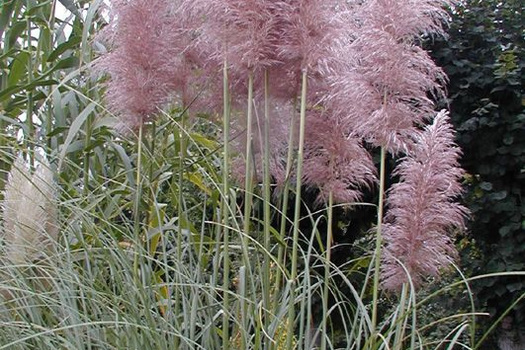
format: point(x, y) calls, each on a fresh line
point(484, 57)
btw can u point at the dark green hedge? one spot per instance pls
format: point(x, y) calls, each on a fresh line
point(484, 58)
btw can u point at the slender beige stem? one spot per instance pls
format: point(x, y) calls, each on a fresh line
point(297, 213)
point(328, 259)
point(136, 210)
point(266, 210)
point(248, 191)
point(379, 242)
point(225, 213)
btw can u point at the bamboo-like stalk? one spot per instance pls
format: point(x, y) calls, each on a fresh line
point(180, 210)
point(379, 242)
point(400, 327)
point(248, 176)
point(29, 137)
point(243, 307)
point(412, 303)
point(248, 192)
point(328, 259)
point(267, 304)
point(49, 114)
point(248, 184)
point(225, 212)
point(297, 211)
point(136, 210)
point(281, 257)
point(4, 166)
point(87, 158)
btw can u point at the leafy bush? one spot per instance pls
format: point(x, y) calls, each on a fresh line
point(484, 58)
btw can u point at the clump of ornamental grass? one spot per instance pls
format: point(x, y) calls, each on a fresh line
point(310, 87)
point(29, 220)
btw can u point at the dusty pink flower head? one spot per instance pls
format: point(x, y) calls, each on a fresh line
point(309, 28)
point(384, 95)
point(422, 211)
point(243, 33)
point(406, 19)
point(307, 31)
point(381, 86)
point(277, 37)
point(145, 54)
point(335, 161)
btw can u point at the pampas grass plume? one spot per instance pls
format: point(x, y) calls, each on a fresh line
point(144, 59)
point(382, 84)
point(422, 211)
point(29, 213)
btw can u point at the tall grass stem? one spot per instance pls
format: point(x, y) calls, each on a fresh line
point(379, 242)
point(297, 211)
point(225, 212)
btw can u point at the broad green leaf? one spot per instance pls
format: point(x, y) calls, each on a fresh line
point(126, 160)
point(14, 32)
point(91, 14)
point(35, 8)
point(75, 146)
point(68, 45)
point(104, 122)
point(69, 62)
point(157, 216)
point(9, 54)
point(74, 129)
point(203, 141)
point(13, 90)
point(196, 179)
point(6, 93)
point(41, 82)
point(18, 68)
point(66, 63)
point(56, 131)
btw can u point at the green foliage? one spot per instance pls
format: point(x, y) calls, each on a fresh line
point(484, 58)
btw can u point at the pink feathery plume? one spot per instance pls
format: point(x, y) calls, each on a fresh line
point(259, 37)
point(308, 29)
point(242, 32)
point(385, 94)
point(407, 19)
point(144, 56)
point(422, 211)
point(335, 161)
point(381, 88)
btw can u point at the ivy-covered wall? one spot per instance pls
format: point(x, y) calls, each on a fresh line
point(484, 58)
